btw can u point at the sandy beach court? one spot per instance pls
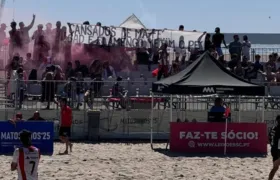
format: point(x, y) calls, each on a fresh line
point(110, 161)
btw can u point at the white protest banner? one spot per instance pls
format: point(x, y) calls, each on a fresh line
point(133, 38)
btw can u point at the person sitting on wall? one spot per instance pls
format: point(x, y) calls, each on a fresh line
point(36, 117)
point(17, 118)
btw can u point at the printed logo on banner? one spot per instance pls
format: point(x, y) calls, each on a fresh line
point(208, 90)
point(191, 144)
point(42, 136)
point(200, 137)
point(134, 38)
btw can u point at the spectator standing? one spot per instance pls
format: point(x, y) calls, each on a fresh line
point(48, 33)
point(108, 71)
point(163, 62)
point(48, 89)
point(24, 34)
point(179, 51)
point(33, 76)
point(235, 47)
point(65, 124)
point(217, 39)
point(96, 69)
point(39, 32)
point(80, 88)
point(69, 72)
point(208, 43)
point(81, 68)
point(57, 36)
point(15, 41)
point(246, 46)
point(41, 50)
point(2, 34)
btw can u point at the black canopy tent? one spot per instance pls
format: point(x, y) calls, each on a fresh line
point(207, 76)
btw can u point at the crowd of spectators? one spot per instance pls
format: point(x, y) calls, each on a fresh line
point(43, 64)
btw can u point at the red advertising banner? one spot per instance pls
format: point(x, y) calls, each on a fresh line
point(210, 137)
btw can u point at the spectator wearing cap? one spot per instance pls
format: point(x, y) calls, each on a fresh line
point(36, 117)
point(235, 47)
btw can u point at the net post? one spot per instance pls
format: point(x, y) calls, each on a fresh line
point(151, 120)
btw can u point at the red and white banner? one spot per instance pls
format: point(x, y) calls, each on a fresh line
point(210, 137)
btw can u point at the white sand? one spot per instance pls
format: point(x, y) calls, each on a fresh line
point(138, 161)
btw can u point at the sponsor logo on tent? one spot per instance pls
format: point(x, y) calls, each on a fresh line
point(160, 88)
point(208, 90)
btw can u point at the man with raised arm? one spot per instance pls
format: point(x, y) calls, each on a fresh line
point(26, 158)
point(24, 34)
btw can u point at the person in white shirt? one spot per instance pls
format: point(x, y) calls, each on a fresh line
point(26, 158)
point(246, 45)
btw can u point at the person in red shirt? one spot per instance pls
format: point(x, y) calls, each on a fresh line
point(65, 124)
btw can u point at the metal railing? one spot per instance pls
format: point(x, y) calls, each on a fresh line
point(263, 52)
point(100, 95)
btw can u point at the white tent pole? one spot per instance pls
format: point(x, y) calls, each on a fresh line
point(239, 108)
point(151, 121)
point(171, 102)
point(225, 147)
point(263, 109)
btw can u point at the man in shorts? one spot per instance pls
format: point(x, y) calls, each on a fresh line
point(274, 138)
point(217, 39)
point(26, 159)
point(65, 124)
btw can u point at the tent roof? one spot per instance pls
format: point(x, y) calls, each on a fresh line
point(207, 76)
point(132, 22)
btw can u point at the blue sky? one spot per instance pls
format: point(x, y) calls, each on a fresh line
point(203, 15)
